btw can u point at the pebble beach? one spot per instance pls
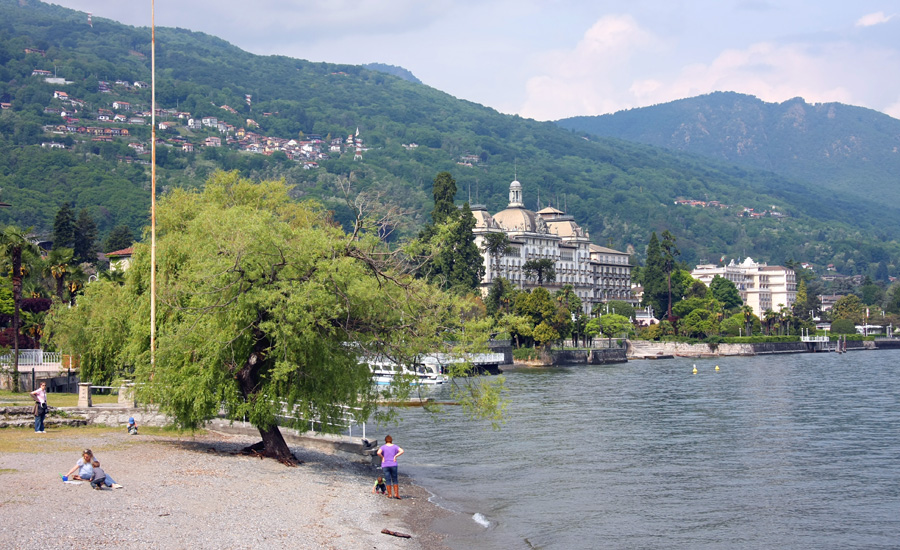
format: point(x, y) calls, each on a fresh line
point(198, 491)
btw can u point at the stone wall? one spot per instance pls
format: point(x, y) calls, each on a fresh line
point(118, 416)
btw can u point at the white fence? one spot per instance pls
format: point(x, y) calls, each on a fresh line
point(36, 359)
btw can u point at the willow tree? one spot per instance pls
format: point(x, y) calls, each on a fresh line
point(267, 309)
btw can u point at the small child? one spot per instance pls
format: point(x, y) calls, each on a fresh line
point(379, 485)
point(99, 476)
point(132, 427)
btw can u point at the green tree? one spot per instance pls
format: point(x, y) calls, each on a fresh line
point(85, 238)
point(684, 307)
point(799, 306)
point(544, 334)
point(669, 253)
point(849, 307)
point(654, 277)
point(540, 270)
point(518, 326)
point(726, 292)
point(64, 227)
point(696, 289)
point(871, 293)
point(99, 330)
point(611, 325)
point(452, 259)
point(274, 318)
point(500, 297)
point(699, 323)
point(843, 326)
point(537, 304)
point(119, 238)
point(732, 326)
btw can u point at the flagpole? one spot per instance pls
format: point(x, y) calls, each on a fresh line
point(153, 187)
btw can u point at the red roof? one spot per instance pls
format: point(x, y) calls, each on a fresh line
point(124, 252)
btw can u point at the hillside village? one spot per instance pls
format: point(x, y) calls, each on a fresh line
point(181, 129)
point(744, 211)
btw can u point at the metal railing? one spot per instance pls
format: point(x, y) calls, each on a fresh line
point(346, 422)
point(29, 358)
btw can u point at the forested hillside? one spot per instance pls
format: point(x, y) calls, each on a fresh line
point(833, 146)
point(408, 132)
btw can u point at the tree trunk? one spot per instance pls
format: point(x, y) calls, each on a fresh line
point(273, 443)
point(274, 446)
point(669, 287)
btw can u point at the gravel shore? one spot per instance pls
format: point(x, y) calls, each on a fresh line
point(197, 492)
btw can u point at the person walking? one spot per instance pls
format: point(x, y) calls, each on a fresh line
point(389, 454)
point(40, 407)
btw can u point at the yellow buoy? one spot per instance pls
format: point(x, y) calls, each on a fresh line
point(695, 369)
point(717, 367)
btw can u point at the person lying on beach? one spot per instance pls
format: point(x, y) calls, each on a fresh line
point(379, 485)
point(85, 469)
point(98, 476)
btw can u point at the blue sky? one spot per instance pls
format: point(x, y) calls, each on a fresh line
point(549, 59)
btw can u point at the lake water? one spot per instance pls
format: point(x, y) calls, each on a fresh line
point(790, 451)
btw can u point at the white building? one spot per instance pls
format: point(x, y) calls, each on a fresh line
point(762, 287)
point(596, 273)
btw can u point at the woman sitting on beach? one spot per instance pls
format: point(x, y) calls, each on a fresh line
point(86, 470)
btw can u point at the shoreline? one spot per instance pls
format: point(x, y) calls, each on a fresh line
point(196, 491)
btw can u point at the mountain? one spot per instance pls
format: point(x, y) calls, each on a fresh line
point(830, 145)
point(408, 132)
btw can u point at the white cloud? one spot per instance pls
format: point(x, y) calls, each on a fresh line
point(876, 18)
point(580, 81)
point(617, 65)
point(893, 110)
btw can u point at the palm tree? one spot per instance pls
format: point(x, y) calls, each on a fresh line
point(770, 318)
point(540, 270)
point(495, 245)
point(75, 282)
point(748, 319)
point(58, 267)
point(14, 244)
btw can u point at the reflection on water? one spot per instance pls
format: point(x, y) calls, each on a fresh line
point(793, 451)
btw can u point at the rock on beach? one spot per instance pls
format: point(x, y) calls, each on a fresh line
point(197, 492)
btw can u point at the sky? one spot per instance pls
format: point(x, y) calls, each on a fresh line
point(551, 59)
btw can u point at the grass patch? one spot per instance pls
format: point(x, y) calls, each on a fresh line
point(8, 470)
point(24, 440)
point(54, 399)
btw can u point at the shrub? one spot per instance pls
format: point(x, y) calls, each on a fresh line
point(843, 326)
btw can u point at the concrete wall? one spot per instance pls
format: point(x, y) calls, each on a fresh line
point(608, 356)
point(504, 347)
point(681, 349)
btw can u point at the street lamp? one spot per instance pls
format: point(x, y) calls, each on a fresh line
point(153, 186)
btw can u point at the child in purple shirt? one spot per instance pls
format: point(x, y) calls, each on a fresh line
point(389, 454)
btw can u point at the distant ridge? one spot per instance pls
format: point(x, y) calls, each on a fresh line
point(832, 145)
point(393, 70)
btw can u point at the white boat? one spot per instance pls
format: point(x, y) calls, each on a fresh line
point(427, 373)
